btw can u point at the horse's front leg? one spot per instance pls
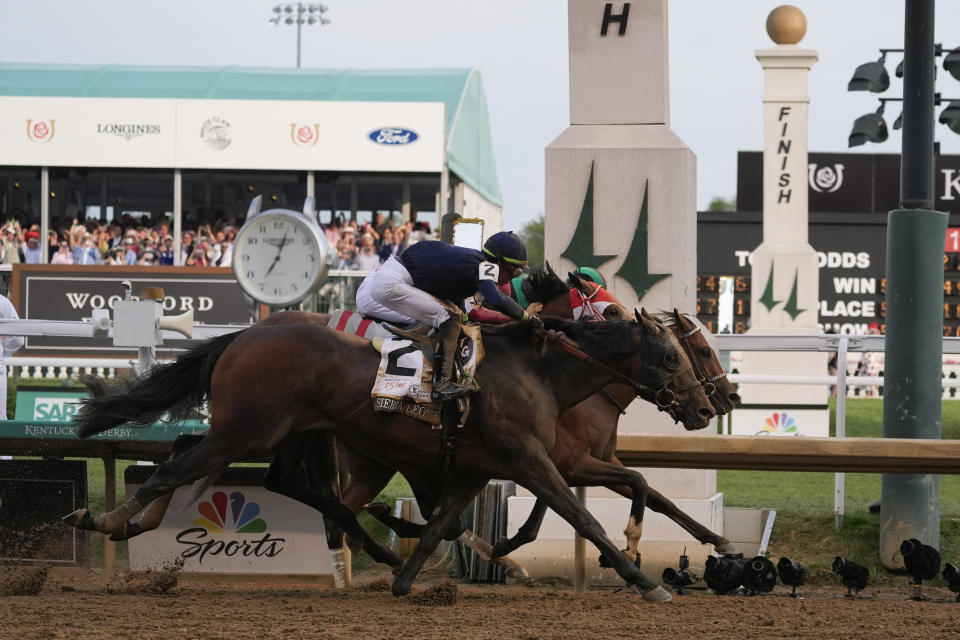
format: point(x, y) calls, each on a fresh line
point(446, 516)
point(538, 474)
point(526, 534)
point(659, 503)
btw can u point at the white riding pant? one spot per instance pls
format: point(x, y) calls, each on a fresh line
point(388, 293)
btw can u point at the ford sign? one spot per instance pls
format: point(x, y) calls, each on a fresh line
point(393, 135)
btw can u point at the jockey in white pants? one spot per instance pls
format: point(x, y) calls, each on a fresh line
point(406, 288)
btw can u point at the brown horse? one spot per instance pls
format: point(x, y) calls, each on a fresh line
point(586, 439)
point(258, 404)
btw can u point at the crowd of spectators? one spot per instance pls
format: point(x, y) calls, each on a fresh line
point(362, 246)
point(366, 246)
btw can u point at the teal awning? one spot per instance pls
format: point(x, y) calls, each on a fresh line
point(469, 142)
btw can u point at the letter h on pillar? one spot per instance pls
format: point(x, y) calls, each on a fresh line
point(620, 18)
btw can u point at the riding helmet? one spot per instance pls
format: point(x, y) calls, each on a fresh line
point(591, 274)
point(506, 246)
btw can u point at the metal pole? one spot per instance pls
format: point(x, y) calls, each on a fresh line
point(109, 504)
point(580, 550)
point(177, 218)
point(839, 479)
point(916, 234)
point(44, 214)
point(299, 24)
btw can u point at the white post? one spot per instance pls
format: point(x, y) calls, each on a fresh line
point(177, 217)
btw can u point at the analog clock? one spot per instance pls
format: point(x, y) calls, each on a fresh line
point(280, 256)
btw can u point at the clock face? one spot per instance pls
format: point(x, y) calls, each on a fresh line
point(277, 258)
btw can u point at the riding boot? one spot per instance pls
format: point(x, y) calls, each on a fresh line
point(445, 388)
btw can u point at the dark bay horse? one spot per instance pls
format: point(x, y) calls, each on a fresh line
point(259, 402)
point(586, 439)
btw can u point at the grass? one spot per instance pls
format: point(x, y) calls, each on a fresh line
point(804, 526)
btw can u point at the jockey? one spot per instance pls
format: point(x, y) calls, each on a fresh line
point(406, 287)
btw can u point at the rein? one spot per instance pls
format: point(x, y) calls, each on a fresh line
point(665, 398)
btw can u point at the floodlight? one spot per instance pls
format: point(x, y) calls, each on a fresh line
point(899, 71)
point(869, 127)
point(898, 123)
point(871, 76)
point(951, 63)
point(951, 116)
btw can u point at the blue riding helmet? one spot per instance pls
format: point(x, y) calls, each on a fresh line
point(506, 246)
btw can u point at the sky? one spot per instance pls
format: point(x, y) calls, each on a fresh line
point(520, 48)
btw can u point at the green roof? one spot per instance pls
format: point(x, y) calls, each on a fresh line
point(469, 142)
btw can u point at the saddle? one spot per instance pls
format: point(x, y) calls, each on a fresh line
point(405, 376)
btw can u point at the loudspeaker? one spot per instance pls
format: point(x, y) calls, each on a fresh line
point(182, 324)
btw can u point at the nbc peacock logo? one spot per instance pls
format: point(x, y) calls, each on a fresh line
point(243, 514)
point(779, 423)
point(227, 526)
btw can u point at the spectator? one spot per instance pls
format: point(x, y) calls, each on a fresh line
point(187, 247)
point(390, 246)
point(86, 253)
point(149, 258)
point(199, 257)
point(52, 244)
point(333, 232)
point(129, 251)
point(347, 249)
point(32, 251)
point(367, 258)
point(166, 251)
point(63, 254)
point(10, 246)
point(115, 257)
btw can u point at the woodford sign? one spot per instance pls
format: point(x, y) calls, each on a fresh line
point(62, 292)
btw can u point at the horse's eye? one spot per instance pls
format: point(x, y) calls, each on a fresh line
point(705, 352)
point(671, 361)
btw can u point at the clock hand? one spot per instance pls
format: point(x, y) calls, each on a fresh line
point(276, 258)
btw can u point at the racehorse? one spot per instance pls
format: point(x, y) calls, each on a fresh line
point(586, 439)
point(528, 383)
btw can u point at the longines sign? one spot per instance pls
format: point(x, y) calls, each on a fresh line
point(55, 292)
point(222, 134)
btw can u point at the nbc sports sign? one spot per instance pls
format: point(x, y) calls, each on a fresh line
point(236, 526)
point(780, 420)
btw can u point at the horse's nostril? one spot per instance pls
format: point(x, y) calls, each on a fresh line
point(735, 399)
point(703, 412)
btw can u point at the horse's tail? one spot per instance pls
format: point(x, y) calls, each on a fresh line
point(174, 389)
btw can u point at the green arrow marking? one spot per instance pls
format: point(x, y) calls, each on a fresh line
point(580, 249)
point(767, 298)
point(791, 305)
point(634, 267)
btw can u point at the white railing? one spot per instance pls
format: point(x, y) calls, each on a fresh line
point(828, 343)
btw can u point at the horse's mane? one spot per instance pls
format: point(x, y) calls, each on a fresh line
point(614, 337)
point(543, 285)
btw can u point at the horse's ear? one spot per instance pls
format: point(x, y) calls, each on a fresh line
point(650, 325)
point(677, 317)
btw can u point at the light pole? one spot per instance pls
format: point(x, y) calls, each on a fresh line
point(916, 234)
point(299, 14)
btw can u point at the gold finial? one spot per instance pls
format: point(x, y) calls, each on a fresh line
point(786, 24)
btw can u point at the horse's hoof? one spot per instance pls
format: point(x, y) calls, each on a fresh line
point(657, 594)
point(400, 588)
point(80, 519)
point(517, 572)
point(725, 549)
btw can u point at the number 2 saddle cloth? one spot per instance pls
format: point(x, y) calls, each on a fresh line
point(405, 375)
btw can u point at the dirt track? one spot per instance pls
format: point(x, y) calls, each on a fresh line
point(81, 607)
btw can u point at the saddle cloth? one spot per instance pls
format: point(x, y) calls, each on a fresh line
point(405, 375)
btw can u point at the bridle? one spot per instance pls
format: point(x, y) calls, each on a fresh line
point(707, 382)
point(665, 398)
